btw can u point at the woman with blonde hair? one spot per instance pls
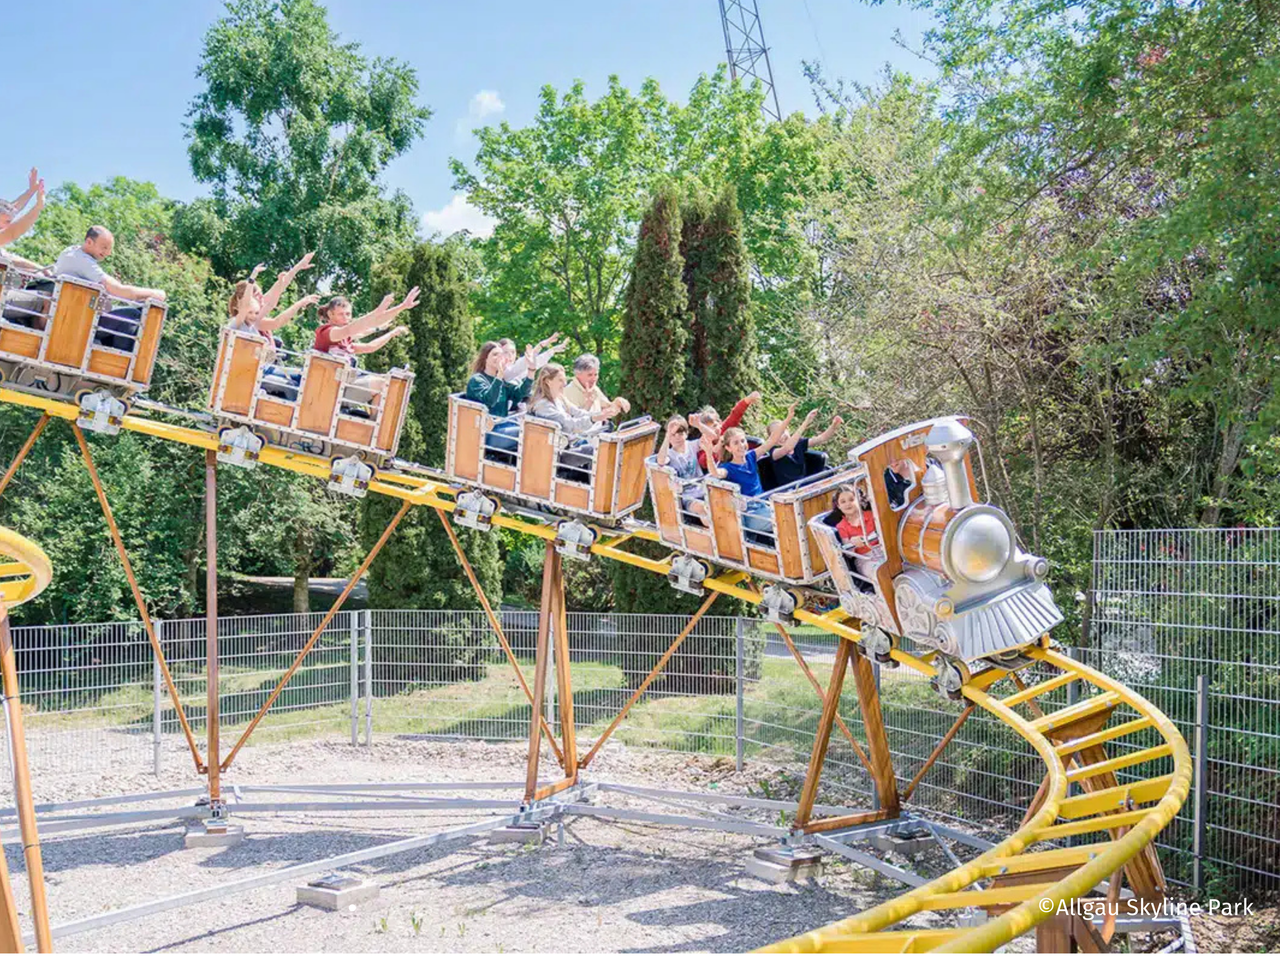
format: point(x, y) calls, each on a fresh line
point(548, 402)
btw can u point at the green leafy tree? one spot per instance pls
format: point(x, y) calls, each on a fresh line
point(418, 568)
point(569, 190)
point(292, 130)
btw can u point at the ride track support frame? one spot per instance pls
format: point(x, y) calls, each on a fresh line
point(10, 932)
point(881, 760)
point(551, 620)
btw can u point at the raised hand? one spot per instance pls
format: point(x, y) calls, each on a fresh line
point(399, 332)
point(753, 397)
point(303, 264)
point(39, 194)
point(791, 411)
point(531, 357)
point(253, 274)
point(410, 300)
point(837, 421)
point(33, 178)
point(624, 404)
point(310, 300)
point(385, 305)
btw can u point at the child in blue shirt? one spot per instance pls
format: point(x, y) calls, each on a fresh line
point(742, 468)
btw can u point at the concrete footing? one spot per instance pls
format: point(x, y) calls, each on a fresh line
point(521, 833)
point(216, 835)
point(784, 864)
point(337, 892)
point(905, 840)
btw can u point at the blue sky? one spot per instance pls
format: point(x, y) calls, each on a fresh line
point(105, 90)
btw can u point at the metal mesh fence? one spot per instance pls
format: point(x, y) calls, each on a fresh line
point(1186, 618)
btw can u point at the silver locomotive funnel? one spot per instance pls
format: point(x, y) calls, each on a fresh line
point(948, 442)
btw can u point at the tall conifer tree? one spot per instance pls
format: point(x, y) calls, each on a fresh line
point(731, 370)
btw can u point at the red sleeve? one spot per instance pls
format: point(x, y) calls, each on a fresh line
point(323, 342)
point(702, 460)
point(735, 415)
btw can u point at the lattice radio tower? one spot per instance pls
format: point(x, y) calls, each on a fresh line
point(744, 45)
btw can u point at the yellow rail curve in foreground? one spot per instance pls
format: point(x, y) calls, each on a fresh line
point(24, 569)
point(1131, 814)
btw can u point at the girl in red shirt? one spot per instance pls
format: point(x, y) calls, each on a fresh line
point(855, 526)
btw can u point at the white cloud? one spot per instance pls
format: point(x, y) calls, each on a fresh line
point(459, 214)
point(486, 103)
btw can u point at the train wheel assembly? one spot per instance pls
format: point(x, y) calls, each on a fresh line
point(952, 675)
point(779, 604)
point(574, 539)
point(350, 476)
point(473, 509)
point(240, 447)
point(100, 412)
point(687, 574)
point(877, 645)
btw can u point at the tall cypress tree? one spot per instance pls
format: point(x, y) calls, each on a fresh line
point(418, 569)
point(731, 370)
point(695, 213)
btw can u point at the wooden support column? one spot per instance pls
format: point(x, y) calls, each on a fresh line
point(141, 604)
point(318, 632)
point(822, 737)
point(547, 610)
point(496, 624)
point(564, 680)
point(877, 739)
point(211, 625)
point(23, 801)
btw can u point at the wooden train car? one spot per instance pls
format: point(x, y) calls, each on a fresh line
point(543, 468)
point(942, 567)
point(66, 338)
point(768, 537)
point(313, 403)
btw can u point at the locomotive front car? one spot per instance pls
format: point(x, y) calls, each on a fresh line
point(311, 403)
point(710, 520)
point(541, 467)
point(947, 570)
point(66, 338)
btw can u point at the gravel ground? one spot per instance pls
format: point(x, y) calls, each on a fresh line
point(612, 886)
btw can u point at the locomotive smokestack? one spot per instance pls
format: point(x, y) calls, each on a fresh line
point(948, 442)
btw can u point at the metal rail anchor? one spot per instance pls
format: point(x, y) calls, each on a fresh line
point(101, 412)
point(239, 447)
point(475, 510)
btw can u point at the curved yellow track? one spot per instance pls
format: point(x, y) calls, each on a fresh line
point(1130, 815)
point(1135, 813)
point(24, 569)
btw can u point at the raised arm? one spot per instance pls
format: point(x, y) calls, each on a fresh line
point(24, 223)
point(382, 315)
point(713, 465)
point(269, 324)
point(34, 185)
point(828, 433)
point(788, 448)
point(775, 438)
point(379, 342)
point(272, 297)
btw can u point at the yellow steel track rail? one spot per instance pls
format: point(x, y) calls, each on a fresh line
point(865, 932)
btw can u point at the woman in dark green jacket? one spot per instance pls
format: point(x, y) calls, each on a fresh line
point(500, 396)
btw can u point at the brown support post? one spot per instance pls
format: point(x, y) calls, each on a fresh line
point(22, 454)
point(817, 687)
point(657, 668)
point(211, 625)
point(937, 751)
point(564, 682)
point(137, 598)
point(496, 624)
point(822, 737)
point(546, 610)
point(22, 790)
point(319, 631)
point(877, 739)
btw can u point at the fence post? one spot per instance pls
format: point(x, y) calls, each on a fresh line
point(157, 684)
point(740, 673)
point(354, 617)
point(1202, 775)
point(875, 675)
point(368, 678)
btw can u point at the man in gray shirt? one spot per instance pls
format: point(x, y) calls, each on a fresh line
point(82, 262)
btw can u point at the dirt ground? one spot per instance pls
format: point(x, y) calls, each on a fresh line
point(610, 886)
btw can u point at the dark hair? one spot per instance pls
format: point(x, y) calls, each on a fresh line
point(94, 232)
point(836, 514)
point(331, 305)
point(482, 358)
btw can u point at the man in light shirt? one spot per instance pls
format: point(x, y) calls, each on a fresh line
point(584, 389)
point(82, 263)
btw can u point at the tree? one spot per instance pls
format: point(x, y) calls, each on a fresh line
point(569, 190)
point(292, 130)
point(418, 568)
